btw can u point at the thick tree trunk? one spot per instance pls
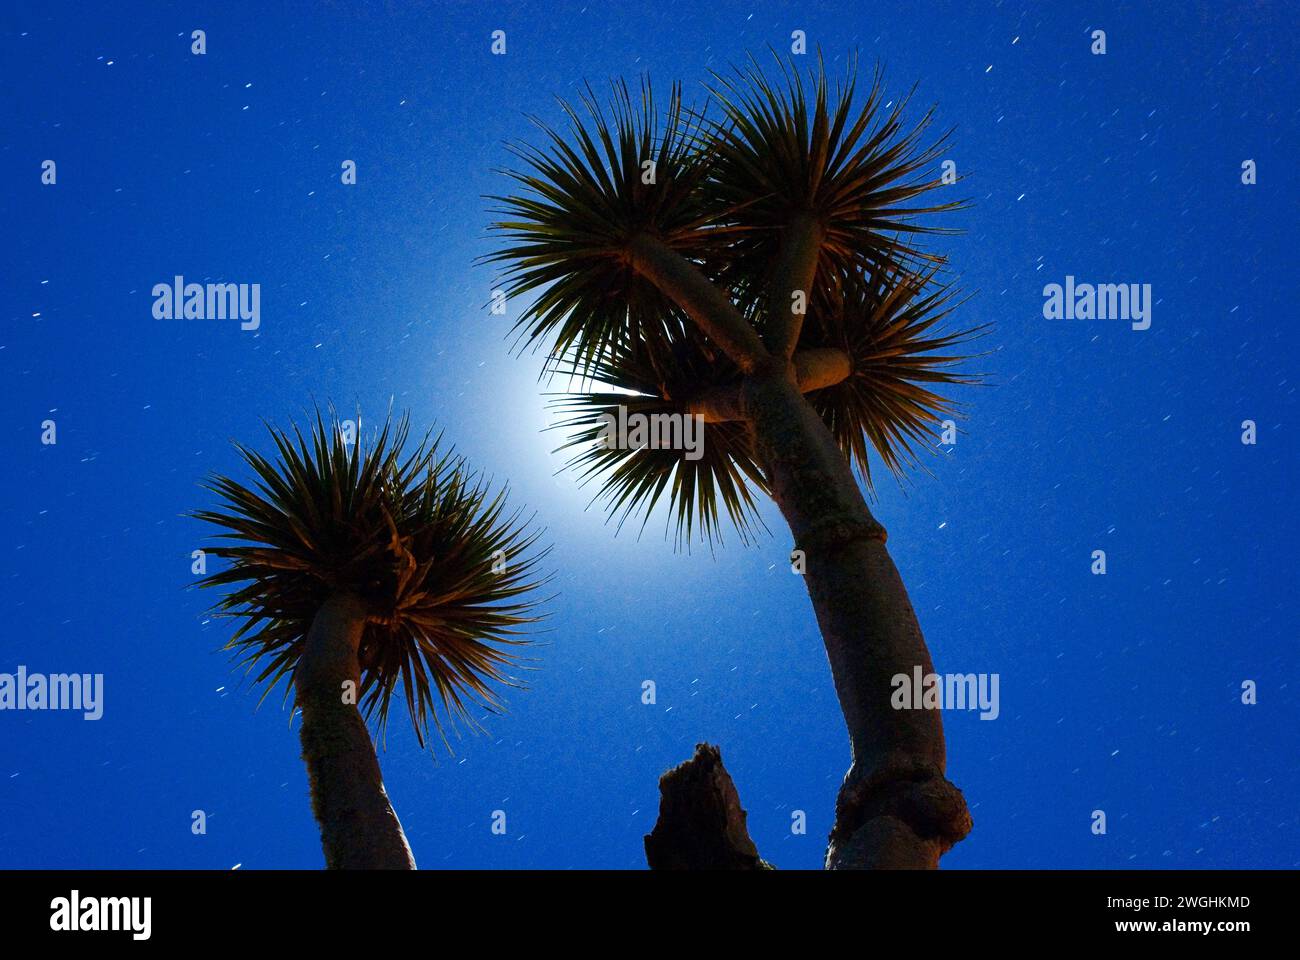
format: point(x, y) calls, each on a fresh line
point(358, 827)
point(895, 808)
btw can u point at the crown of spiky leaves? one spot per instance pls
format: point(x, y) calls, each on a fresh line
point(446, 575)
point(727, 179)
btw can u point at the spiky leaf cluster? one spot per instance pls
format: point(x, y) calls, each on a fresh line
point(731, 177)
point(445, 573)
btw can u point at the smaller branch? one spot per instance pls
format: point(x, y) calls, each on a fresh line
point(701, 823)
point(795, 271)
point(710, 308)
point(821, 367)
point(718, 405)
point(814, 369)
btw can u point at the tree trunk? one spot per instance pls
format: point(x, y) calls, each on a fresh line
point(358, 827)
point(895, 808)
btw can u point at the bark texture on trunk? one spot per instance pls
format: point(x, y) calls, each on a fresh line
point(701, 823)
point(895, 808)
point(359, 829)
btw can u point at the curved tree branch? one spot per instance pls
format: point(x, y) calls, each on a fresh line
point(710, 308)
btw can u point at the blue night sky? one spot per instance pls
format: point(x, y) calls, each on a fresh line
point(1120, 693)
